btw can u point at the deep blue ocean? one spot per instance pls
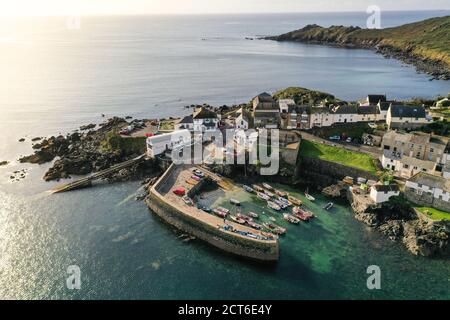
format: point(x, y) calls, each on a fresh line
point(54, 79)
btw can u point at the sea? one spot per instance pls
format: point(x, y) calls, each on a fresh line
point(58, 73)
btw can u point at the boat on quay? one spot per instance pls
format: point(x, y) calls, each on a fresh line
point(263, 196)
point(254, 225)
point(295, 201)
point(253, 215)
point(248, 189)
point(267, 186)
point(257, 188)
point(219, 213)
point(273, 205)
point(291, 219)
point(275, 228)
point(235, 202)
point(329, 206)
point(224, 210)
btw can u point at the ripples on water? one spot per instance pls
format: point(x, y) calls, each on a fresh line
point(54, 80)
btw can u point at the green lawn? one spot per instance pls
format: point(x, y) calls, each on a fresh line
point(339, 155)
point(434, 214)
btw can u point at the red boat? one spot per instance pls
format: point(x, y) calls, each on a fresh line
point(179, 191)
point(302, 214)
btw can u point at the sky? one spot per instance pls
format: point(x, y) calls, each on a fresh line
point(101, 7)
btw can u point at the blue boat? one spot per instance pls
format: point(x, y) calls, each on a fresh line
point(248, 189)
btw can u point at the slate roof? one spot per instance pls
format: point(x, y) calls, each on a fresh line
point(375, 98)
point(264, 97)
point(188, 119)
point(368, 110)
point(402, 111)
point(345, 110)
point(204, 113)
point(431, 181)
point(386, 188)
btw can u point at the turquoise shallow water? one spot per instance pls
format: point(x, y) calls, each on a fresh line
point(54, 80)
point(125, 251)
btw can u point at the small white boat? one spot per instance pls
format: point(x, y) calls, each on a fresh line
point(248, 189)
point(235, 202)
point(267, 186)
point(253, 215)
point(329, 206)
point(273, 205)
point(309, 197)
point(291, 219)
point(263, 196)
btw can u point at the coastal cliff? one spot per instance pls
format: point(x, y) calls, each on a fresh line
point(424, 44)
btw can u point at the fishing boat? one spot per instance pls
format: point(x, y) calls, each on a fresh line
point(275, 228)
point(329, 206)
point(267, 186)
point(269, 194)
point(253, 215)
point(219, 213)
point(238, 220)
point(269, 235)
point(243, 216)
point(248, 189)
point(254, 225)
point(302, 214)
point(281, 193)
point(235, 202)
point(257, 188)
point(284, 200)
point(281, 204)
point(309, 197)
point(223, 210)
point(291, 219)
point(295, 201)
point(273, 205)
point(263, 196)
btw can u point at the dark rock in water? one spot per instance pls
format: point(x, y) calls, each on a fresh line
point(3, 163)
point(21, 139)
point(36, 139)
point(338, 190)
point(88, 127)
point(64, 167)
point(128, 117)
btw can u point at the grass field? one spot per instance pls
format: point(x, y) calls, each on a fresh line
point(339, 155)
point(434, 214)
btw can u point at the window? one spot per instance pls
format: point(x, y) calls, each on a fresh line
point(431, 150)
point(406, 166)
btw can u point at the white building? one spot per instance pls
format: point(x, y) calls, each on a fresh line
point(162, 143)
point(205, 120)
point(406, 117)
point(432, 189)
point(381, 193)
point(373, 100)
point(185, 123)
point(285, 104)
point(243, 120)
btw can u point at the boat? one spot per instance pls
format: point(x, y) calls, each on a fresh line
point(267, 186)
point(302, 214)
point(238, 220)
point(243, 216)
point(309, 197)
point(254, 225)
point(291, 219)
point(188, 201)
point(295, 201)
point(273, 205)
point(269, 194)
point(235, 202)
point(328, 206)
point(263, 196)
point(219, 213)
point(273, 219)
point(269, 235)
point(281, 204)
point(257, 188)
point(248, 189)
point(275, 228)
point(253, 215)
point(223, 210)
point(281, 193)
point(284, 200)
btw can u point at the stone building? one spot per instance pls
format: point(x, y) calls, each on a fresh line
point(429, 190)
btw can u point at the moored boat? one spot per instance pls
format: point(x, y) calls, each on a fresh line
point(281, 193)
point(248, 189)
point(295, 201)
point(291, 219)
point(267, 186)
point(223, 210)
point(281, 204)
point(254, 225)
point(219, 213)
point(269, 194)
point(235, 202)
point(275, 228)
point(329, 206)
point(263, 196)
point(273, 205)
point(238, 220)
point(309, 197)
point(253, 215)
point(258, 188)
point(302, 214)
point(243, 216)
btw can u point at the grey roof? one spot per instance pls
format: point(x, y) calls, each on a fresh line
point(375, 98)
point(345, 110)
point(446, 167)
point(384, 105)
point(368, 110)
point(204, 113)
point(187, 119)
point(400, 111)
point(386, 188)
point(265, 97)
point(431, 181)
point(299, 109)
point(267, 114)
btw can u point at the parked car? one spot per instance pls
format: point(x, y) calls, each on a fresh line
point(199, 173)
point(337, 138)
point(348, 140)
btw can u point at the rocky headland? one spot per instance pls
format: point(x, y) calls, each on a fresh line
point(424, 44)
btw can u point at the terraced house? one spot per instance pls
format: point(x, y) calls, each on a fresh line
point(406, 117)
point(411, 153)
point(266, 111)
point(429, 190)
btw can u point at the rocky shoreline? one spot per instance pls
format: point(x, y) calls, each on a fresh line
point(87, 150)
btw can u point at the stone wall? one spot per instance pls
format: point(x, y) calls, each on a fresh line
point(426, 199)
point(323, 173)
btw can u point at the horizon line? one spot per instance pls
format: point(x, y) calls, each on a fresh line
point(203, 13)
